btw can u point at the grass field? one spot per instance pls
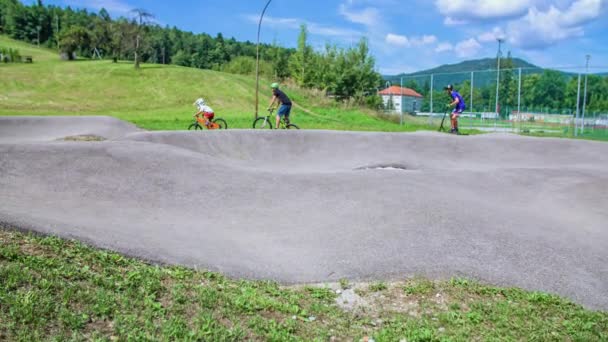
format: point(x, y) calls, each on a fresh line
point(53, 289)
point(160, 96)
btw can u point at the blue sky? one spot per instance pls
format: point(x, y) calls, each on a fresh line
point(404, 36)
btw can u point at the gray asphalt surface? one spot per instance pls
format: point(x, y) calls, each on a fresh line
point(308, 206)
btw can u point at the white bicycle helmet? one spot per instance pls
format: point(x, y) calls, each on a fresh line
point(200, 101)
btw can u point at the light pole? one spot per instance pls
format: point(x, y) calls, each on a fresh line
point(585, 93)
point(498, 55)
point(257, 62)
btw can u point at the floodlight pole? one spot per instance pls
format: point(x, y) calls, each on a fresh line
point(257, 62)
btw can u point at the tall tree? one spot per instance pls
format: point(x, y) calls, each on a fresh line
point(143, 17)
point(299, 60)
point(73, 39)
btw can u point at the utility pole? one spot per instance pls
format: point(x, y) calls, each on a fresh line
point(585, 93)
point(257, 61)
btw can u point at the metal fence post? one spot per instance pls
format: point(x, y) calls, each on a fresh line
point(432, 78)
point(519, 100)
point(472, 91)
point(578, 101)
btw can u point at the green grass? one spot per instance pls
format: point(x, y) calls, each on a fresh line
point(58, 290)
point(159, 97)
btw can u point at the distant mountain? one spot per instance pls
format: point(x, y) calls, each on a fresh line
point(484, 73)
point(472, 65)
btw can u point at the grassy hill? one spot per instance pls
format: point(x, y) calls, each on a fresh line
point(159, 96)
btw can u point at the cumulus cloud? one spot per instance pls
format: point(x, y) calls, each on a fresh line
point(400, 40)
point(539, 29)
point(482, 9)
point(467, 48)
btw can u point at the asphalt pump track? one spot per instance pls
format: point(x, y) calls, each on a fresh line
point(317, 206)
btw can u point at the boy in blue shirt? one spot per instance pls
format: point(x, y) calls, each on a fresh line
point(458, 104)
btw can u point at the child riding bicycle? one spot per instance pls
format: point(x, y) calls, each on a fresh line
point(205, 110)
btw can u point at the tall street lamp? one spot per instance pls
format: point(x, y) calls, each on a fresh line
point(257, 62)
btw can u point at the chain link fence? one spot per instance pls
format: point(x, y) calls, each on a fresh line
point(571, 102)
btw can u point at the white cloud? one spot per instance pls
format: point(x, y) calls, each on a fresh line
point(400, 40)
point(540, 29)
point(467, 48)
point(482, 9)
point(369, 16)
point(491, 36)
point(395, 39)
point(443, 47)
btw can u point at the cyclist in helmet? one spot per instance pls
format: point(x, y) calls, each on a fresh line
point(285, 102)
point(205, 110)
point(458, 104)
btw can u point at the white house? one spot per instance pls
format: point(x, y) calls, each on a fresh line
point(401, 100)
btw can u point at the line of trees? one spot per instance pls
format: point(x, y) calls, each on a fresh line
point(349, 74)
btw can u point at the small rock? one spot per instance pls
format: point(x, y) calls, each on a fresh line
point(338, 291)
point(312, 318)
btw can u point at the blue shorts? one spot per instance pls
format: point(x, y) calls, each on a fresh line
point(457, 111)
point(284, 110)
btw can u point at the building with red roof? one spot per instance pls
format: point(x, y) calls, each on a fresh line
point(401, 100)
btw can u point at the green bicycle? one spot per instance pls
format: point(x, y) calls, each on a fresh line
point(266, 122)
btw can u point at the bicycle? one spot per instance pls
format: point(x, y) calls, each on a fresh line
point(217, 123)
point(266, 122)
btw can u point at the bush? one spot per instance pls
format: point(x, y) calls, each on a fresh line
point(10, 55)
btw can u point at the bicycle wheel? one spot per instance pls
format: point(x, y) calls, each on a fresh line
point(221, 122)
point(292, 126)
point(261, 123)
point(195, 126)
